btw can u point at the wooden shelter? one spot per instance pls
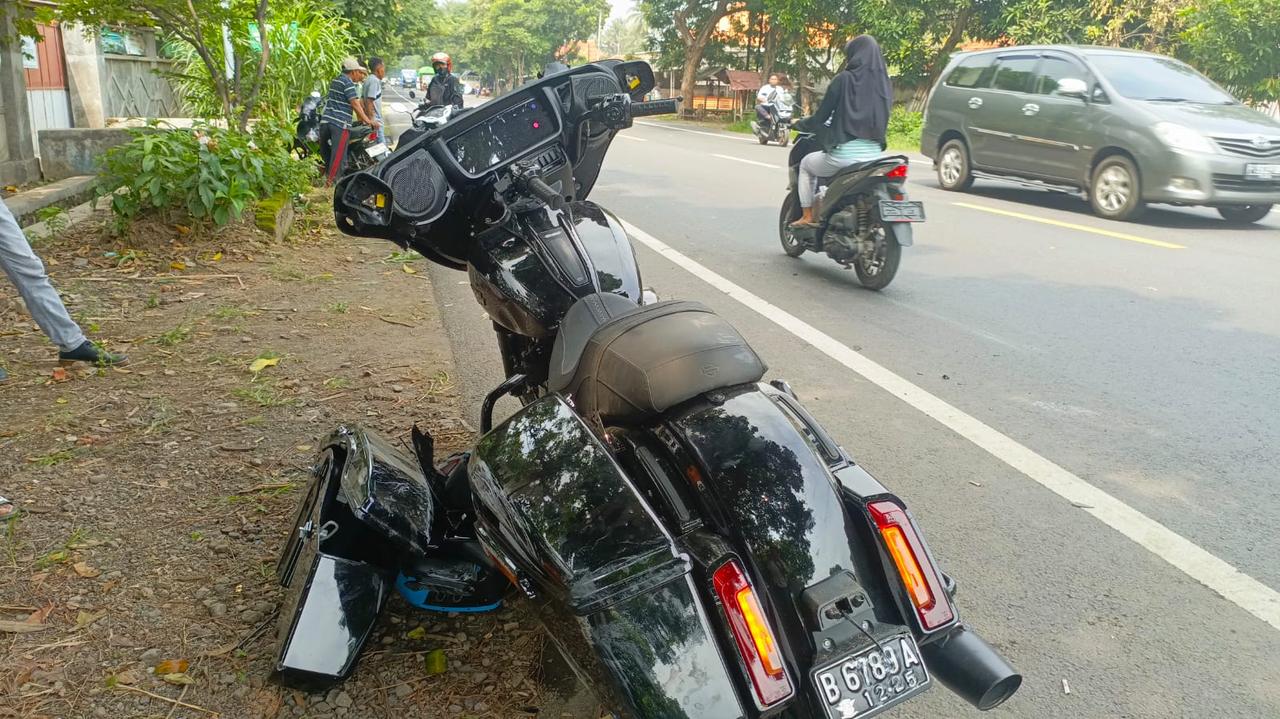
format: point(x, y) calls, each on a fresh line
point(728, 92)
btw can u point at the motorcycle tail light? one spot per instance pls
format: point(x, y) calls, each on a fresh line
point(752, 634)
point(897, 173)
point(922, 580)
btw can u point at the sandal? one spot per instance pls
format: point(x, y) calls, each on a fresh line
point(9, 510)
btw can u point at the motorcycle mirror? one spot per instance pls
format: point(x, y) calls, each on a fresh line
point(362, 205)
point(636, 77)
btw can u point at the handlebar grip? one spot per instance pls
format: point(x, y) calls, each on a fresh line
point(655, 107)
point(543, 192)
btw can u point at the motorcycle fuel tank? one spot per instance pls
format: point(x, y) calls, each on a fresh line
point(528, 279)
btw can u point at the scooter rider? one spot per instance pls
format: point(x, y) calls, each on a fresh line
point(767, 101)
point(444, 88)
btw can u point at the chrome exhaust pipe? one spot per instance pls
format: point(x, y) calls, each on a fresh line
point(971, 668)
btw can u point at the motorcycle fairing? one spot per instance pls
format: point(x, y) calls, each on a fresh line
point(386, 489)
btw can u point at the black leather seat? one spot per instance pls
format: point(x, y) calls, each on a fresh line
point(624, 363)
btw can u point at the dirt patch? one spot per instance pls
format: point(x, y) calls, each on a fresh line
point(156, 496)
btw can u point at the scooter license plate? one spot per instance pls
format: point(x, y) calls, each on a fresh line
point(872, 680)
point(377, 149)
point(902, 211)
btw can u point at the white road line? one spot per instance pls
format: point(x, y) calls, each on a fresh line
point(720, 135)
point(625, 136)
point(749, 162)
point(1237, 587)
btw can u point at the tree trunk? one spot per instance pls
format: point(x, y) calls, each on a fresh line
point(695, 43)
point(770, 51)
point(250, 102)
point(958, 25)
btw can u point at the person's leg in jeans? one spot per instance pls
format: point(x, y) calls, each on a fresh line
point(26, 271)
point(814, 166)
point(326, 145)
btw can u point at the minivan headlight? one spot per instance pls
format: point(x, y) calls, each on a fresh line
point(1180, 137)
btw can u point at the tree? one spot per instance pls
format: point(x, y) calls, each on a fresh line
point(516, 38)
point(390, 27)
point(624, 36)
point(1147, 24)
point(692, 22)
point(1237, 42)
point(236, 81)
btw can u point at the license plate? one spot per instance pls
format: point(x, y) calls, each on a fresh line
point(1261, 172)
point(872, 680)
point(378, 149)
point(901, 211)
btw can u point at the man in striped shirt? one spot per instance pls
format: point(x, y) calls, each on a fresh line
point(344, 92)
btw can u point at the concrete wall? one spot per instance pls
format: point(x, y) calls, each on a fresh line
point(77, 151)
point(17, 154)
point(85, 73)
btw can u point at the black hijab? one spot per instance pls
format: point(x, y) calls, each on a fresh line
point(860, 97)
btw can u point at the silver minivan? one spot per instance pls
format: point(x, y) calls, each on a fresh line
point(1124, 127)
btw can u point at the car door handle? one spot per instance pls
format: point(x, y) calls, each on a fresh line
point(975, 103)
point(1030, 109)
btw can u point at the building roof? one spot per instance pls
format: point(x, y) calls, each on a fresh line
point(737, 80)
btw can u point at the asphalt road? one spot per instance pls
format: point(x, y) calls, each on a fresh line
point(1138, 358)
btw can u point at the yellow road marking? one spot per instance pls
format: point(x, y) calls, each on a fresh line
point(1072, 226)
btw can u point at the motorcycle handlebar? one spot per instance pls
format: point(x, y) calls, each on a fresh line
point(544, 192)
point(655, 107)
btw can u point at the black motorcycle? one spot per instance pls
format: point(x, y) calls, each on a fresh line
point(864, 216)
point(307, 126)
point(363, 150)
point(694, 542)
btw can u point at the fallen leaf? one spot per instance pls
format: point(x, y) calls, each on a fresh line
point(59, 374)
point(178, 265)
point(10, 188)
point(182, 229)
point(417, 633)
point(436, 663)
point(262, 363)
point(84, 619)
point(62, 400)
point(86, 571)
point(172, 666)
point(125, 677)
point(178, 678)
point(40, 615)
point(408, 270)
point(216, 256)
point(21, 627)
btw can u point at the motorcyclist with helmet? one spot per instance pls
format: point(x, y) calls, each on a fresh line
point(444, 88)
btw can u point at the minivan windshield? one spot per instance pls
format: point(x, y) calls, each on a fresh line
point(1158, 79)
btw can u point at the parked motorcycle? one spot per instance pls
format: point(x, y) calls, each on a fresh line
point(779, 129)
point(864, 216)
point(307, 126)
point(694, 542)
point(426, 117)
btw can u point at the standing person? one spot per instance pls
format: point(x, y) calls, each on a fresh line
point(854, 117)
point(443, 88)
point(373, 95)
point(26, 271)
point(767, 101)
point(343, 99)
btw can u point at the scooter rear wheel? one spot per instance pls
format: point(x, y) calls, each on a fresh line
point(790, 213)
point(875, 273)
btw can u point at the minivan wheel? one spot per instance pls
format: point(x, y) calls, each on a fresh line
point(1244, 214)
point(1116, 191)
point(953, 167)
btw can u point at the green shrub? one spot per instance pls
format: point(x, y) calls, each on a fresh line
point(204, 172)
point(904, 129)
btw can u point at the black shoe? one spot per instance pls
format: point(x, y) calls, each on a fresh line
point(89, 352)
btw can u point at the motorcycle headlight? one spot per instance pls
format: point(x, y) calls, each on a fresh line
point(1180, 137)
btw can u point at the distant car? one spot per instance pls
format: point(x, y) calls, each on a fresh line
point(1124, 127)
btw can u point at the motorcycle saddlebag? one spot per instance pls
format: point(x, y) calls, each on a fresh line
point(367, 502)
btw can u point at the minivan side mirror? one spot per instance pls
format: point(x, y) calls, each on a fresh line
point(1073, 87)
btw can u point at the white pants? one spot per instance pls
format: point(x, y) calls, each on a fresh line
point(26, 271)
point(816, 166)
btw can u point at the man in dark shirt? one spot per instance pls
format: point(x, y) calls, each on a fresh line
point(343, 99)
